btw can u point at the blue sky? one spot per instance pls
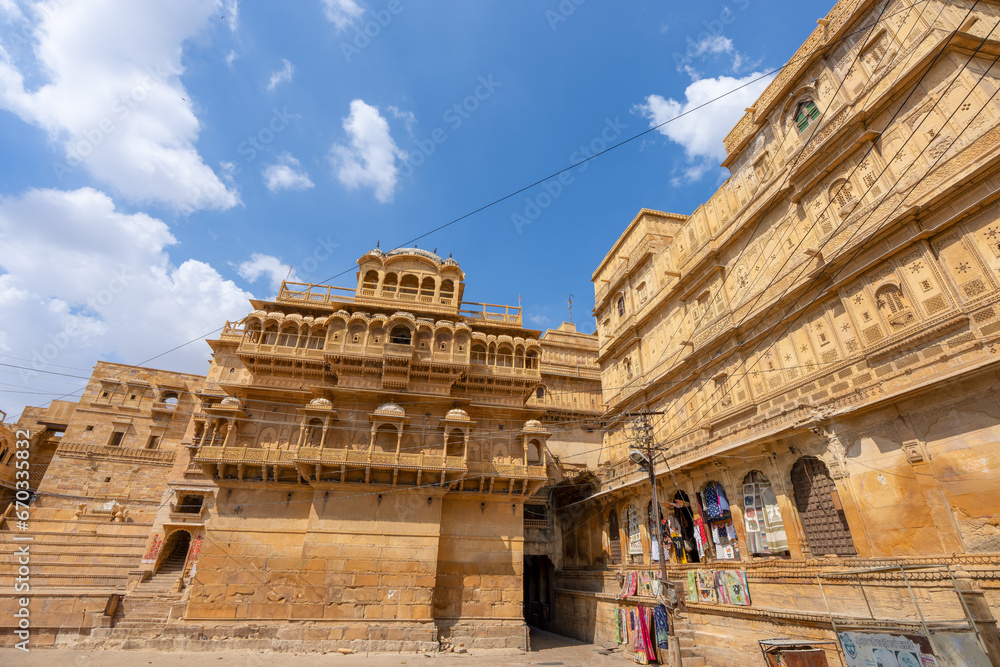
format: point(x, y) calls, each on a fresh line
point(165, 161)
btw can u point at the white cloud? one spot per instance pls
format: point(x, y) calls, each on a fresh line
point(281, 76)
point(231, 57)
point(83, 281)
point(342, 13)
point(232, 14)
point(268, 266)
point(713, 44)
point(370, 158)
point(286, 175)
point(702, 130)
point(112, 97)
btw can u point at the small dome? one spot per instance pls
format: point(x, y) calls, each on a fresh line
point(231, 401)
point(390, 409)
point(450, 262)
point(457, 414)
point(427, 254)
point(534, 424)
point(320, 403)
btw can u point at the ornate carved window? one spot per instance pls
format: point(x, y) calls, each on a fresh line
point(894, 305)
point(620, 305)
point(805, 114)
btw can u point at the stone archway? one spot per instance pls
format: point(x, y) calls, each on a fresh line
point(174, 553)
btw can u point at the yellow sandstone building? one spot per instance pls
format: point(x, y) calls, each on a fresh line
point(815, 350)
point(351, 473)
point(813, 353)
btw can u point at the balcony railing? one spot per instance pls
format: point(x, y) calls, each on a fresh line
point(365, 458)
point(315, 294)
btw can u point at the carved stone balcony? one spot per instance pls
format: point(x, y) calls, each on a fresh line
point(319, 466)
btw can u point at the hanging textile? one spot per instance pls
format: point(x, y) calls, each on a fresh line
point(643, 645)
point(700, 536)
point(762, 517)
point(634, 536)
point(776, 536)
point(618, 627)
point(716, 504)
point(692, 585)
point(662, 624)
point(629, 585)
point(706, 586)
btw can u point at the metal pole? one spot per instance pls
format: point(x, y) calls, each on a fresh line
point(968, 614)
point(916, 604)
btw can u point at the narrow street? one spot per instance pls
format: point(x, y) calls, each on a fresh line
point(547, 650)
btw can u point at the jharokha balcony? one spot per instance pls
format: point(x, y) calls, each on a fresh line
point(318, 466)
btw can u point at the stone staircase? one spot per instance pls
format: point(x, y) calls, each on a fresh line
point(690, 653)
point(149, 605)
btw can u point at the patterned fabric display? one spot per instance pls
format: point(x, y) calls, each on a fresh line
point(732, 587)
point(634, 536)
point(692, 586)
point(706, 586)
point(662, 624)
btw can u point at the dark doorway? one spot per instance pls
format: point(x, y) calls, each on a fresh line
point(819, 508)
point(685, 517)
point(539, 578)
point(175, 551)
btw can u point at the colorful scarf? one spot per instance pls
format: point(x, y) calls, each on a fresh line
point(662, 624)
point(642, 642)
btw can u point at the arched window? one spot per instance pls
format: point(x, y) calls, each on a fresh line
point(666, 533)
point(400, 335)
point(691, 543)
point(805, 114)
point(540, 393)
point(715, 508)
point(890, 298)
point(389, 284)
point(818, 503)
point(288, 336)
point(315, 433)
point(427, 290)
point(170, 399)
point(620, 305)
point(531, 360)
point(842, 193)
point(634, 536)
point(270, 334)
point(505, 356)
point(447, 291)
point(317, 337)
point(408, 287)
point(456, 443)
point(371, 281)
point(765, 527)
point(479, 353)
point(252, 333)
point(534, 452)
point(614, 538)
point(386, 438)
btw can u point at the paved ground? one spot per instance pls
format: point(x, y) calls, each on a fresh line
point(548, 649)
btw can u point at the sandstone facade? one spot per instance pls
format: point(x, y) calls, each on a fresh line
point(818, 343)
point(351, 472)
